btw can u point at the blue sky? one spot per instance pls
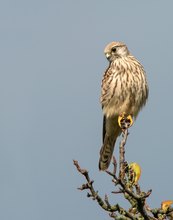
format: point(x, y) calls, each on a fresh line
point(52, 63)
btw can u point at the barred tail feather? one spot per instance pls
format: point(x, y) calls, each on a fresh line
point(106, 153)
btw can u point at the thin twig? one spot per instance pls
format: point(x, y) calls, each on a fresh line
point(122, 154)
point(137, 199)
point(94, 194)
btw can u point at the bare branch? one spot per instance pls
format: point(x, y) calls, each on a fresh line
point(94, 194)
point(131, 190)
point(122, 154)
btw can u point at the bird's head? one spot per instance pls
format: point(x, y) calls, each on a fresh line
point(115, 50)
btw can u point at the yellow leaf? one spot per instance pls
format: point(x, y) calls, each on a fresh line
point(166, 204)
point(137, 171)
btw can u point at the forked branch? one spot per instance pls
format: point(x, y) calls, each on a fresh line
point(127, 183)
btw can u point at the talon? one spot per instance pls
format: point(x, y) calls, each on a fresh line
point(125, 121)
point(129, 120)
point(121, 119)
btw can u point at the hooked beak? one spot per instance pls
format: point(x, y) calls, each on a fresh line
point(107, 55)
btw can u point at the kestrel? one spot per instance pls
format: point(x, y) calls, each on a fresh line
point(124, 91)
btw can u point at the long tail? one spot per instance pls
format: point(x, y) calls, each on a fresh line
point(111, 131)
point(106, 152)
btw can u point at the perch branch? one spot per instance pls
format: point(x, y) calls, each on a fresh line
point(139, 210)
point(103, 203)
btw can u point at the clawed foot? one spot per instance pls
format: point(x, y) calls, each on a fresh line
point(125, 121)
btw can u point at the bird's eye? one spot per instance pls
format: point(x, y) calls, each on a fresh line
point(114, 49)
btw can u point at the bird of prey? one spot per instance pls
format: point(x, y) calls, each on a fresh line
point(124, 90)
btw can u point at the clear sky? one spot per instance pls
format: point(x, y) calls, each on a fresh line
point(51, 66)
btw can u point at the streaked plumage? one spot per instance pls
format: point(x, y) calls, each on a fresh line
point(124, 89)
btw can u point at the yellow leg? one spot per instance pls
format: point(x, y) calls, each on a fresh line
point(125, 121)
